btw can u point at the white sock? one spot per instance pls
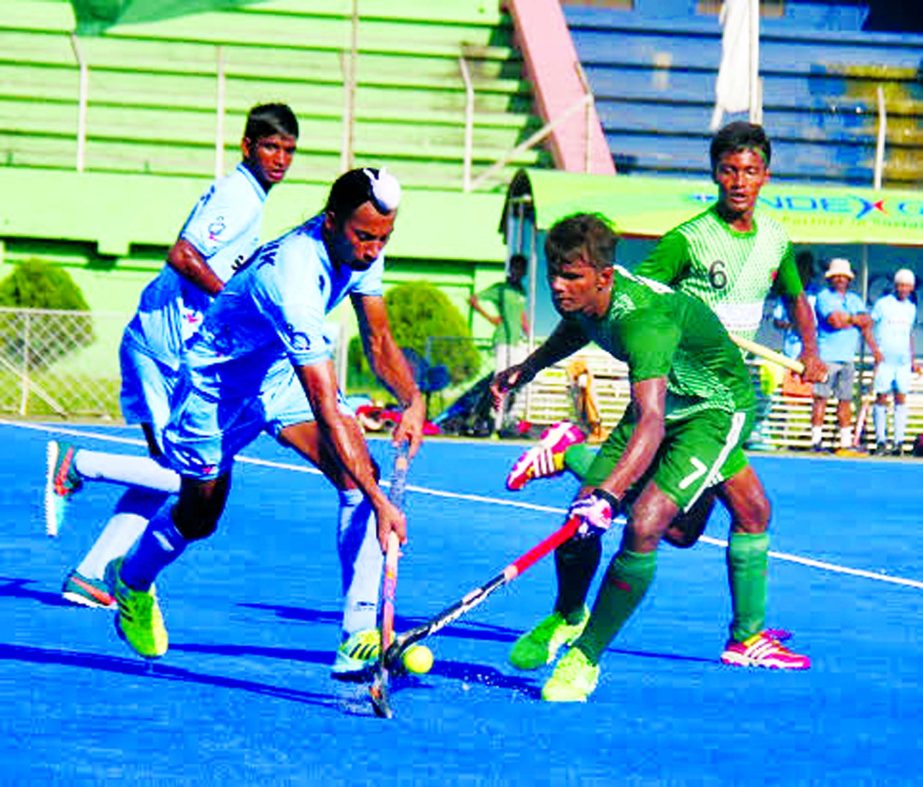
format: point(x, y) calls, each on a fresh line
point(880, 416)
point(132, 513)
point(817, 434)
point(360, 562)
point(845, 437)
point(141, 471)
point(900, 423)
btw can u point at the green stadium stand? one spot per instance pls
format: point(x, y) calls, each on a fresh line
point(152, 88)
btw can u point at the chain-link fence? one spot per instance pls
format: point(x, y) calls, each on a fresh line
point(59, 363)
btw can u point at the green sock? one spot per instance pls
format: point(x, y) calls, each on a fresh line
point(747, 562)
point(626, 582)
point(578, 458)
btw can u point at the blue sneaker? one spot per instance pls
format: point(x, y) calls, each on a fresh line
point(62, 481)
point(87, 592)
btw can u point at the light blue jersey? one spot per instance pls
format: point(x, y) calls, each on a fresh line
point(224, 227)
point(894, 320)
point(238, 375)
point(791, 339)
point(837, 346)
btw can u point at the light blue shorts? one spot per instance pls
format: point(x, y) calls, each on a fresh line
point(204, 436)
point(893, 377)
point(147, 386)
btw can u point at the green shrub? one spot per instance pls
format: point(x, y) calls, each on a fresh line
point(35, 284)
point(423, 319)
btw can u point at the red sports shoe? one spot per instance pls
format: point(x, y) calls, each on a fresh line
point(763, 650)
point(546, 458)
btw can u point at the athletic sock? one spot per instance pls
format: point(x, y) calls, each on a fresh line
point(747, 563)
point(900, 424)
point(141, 471)
point(575, 561)
point(626, 582)
point(880, 417)
point(360, 562)
point(578, 458)
point(845, 437)
point(132, 513)
point(160, 544)
point(817, 435)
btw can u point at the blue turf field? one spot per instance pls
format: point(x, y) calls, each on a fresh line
point(243, 696)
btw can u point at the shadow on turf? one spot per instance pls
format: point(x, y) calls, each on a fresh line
point(158, 671)
point(14, 587)
point(463, 630)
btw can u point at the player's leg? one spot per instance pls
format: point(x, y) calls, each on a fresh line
point(902, 379)
point(750, 643)
point(146, 390)
point(144, 399)
point(692, 454)
point(86, 584)
point(881, 385)
point(843, 390)
point(548, 458)
point(202, 448)
point(822, 392)
point(576, 561)
point(292, 423)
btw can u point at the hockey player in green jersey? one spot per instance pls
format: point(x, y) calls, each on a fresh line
point(728, 257)
point(691, 410)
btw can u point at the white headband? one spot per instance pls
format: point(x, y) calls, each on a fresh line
point(386, 190)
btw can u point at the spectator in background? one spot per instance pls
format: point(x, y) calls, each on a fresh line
point(791, 339)
point(894, 316)
point(841, 318)
point(508, 316)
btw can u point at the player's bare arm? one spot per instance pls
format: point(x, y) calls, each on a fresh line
point(493, 319)
point(815, 370)
point(865, 326)
point(320, 385)
point(565, 339)
point(185, 259)
point(391, 367)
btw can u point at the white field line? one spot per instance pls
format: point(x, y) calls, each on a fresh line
point(303, 468)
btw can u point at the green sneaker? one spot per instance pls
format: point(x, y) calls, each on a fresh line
point(573, 680)
point(357, 656)
point(138, 621)
point(538, 647)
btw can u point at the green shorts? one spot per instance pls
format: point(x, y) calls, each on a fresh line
point(696, 453)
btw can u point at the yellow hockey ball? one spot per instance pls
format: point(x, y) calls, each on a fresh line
point(418, 660)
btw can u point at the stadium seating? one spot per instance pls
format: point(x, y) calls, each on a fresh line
point(152, 88)
point(654, 80)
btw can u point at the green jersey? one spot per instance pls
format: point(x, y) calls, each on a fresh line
point(731, 271)
point(659, 332)
point(511, 303)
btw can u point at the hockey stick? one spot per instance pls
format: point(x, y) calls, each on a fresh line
point(761, 351)
point(378, 691)
point(479, 594)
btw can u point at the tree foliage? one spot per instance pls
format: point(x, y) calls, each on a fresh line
point(37, 342)
point(424, 320)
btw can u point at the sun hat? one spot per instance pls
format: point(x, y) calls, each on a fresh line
point(905, 276)
point(839, 267)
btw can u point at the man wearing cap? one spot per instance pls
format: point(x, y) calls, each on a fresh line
point(261, 361)
point(841, 318)
point(894, 316)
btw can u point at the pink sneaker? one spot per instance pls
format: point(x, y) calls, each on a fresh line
point(762, 650)
point(546, 458)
